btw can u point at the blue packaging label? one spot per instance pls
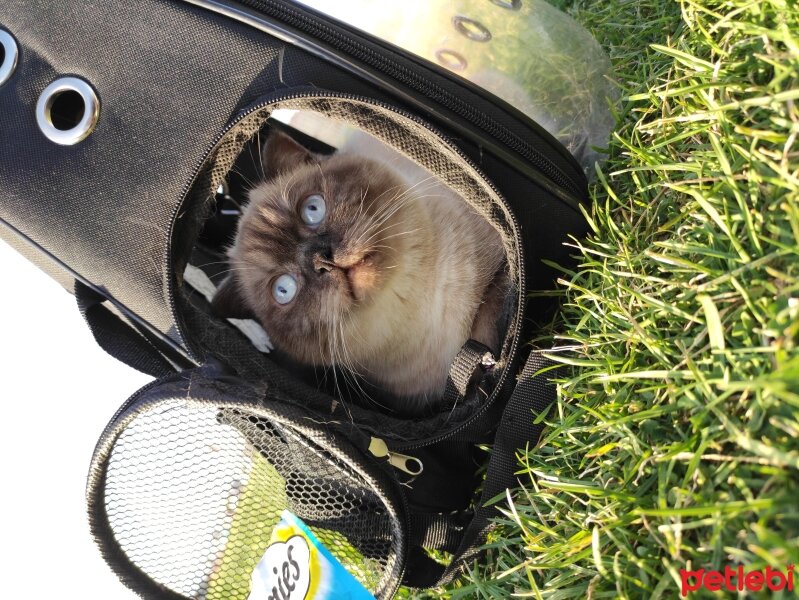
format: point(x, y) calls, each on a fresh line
point(296, 566)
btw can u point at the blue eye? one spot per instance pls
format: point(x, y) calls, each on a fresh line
point(313, 210)
point(284, 289)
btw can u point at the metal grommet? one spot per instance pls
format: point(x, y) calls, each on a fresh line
point(509, 4)
point(67, 111)
point(487, 361)
point(474, 30)
point(9, 55)
point(451, 59)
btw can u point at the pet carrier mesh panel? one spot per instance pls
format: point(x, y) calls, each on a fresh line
point(190, 483)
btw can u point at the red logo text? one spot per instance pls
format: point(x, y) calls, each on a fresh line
point(736, 580)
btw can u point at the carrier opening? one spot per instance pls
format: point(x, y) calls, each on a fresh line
point(352, 265)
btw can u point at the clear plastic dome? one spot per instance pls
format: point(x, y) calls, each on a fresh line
point(530, 54)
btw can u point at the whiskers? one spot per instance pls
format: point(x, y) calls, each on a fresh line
point(375, 223)
point(371, 226)
point(349, 374)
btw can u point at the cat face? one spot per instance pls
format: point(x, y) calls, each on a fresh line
point(318, 242)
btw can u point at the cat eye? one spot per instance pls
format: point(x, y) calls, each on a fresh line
point(313, 210)
point(284, 289)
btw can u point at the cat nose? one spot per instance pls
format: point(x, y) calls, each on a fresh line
point(322, 263)
point(320, 255)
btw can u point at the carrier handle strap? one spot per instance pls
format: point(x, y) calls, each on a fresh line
point(130, 344)
point(519, 427)
point(473, 358)
point(438, 531)
point(532, 397)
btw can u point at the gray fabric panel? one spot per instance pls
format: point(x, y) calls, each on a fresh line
point(162, 102)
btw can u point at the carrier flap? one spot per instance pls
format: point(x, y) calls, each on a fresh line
point(193, 474)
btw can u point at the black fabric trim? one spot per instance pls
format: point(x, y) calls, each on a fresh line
point(467, 363)
point(421, 571)
point(436, 531)
point(134, 346)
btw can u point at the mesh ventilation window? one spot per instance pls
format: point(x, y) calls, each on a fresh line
point(192, 494)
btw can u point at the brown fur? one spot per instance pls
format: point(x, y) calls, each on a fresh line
point(406, 268)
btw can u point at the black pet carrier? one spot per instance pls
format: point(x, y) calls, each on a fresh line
point(125, 129)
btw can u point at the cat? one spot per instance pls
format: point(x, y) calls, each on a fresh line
point(363, 260)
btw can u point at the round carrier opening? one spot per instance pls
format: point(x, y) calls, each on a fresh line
point(9, 53)
point(355, 249)
point(67, 111)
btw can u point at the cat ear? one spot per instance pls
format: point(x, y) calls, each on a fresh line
point(228, 301)
point(281, 153)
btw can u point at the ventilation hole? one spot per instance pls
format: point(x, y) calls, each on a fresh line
point(66, 110)
point(451, 59)
point(509, 4)
point(8, 56)
point(474, 30)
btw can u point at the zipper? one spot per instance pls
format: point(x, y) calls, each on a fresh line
point(336, 95)
point(315, 27)
point(407, 464)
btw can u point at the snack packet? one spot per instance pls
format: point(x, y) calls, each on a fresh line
point(296, 566)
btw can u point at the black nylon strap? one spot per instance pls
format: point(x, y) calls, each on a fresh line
point(466, 364)
point(436, 530)
point(430, 531)
point(119, 339)
point(533, 395)
point(421, 571)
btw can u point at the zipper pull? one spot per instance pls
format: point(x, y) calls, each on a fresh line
point(403, 462)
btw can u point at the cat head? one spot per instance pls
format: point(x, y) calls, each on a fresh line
point(319, 242)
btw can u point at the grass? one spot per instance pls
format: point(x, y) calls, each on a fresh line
point(675, 443)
